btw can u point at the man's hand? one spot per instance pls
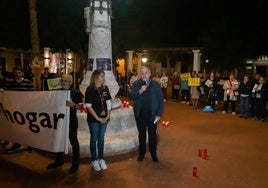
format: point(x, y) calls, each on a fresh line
point(70, 103)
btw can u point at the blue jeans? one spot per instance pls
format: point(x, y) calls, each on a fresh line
point(97, 131)
point(244, 106)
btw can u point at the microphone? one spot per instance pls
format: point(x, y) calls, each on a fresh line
point(144, 83)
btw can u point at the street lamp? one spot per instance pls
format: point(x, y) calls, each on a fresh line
point(144, 59)
point(69, 60)
point(46, 57)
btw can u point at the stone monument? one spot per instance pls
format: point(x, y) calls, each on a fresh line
point(121, 134)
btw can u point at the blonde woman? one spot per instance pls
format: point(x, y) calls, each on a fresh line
point(230, 86)
point(98, 102)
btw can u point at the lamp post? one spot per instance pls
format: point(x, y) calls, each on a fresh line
point(69, 61)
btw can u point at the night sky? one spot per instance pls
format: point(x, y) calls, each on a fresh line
point(236, 27)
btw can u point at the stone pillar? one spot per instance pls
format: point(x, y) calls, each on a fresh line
point(178, 67)
point(139, 63)
point(130, 60)
point(168, 65)
point(196, 61)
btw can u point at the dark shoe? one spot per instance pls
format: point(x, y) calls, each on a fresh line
point(4, 143)
point(30, 149)
point(140, 158)
point(155, 159)
point(73, 168)
point(55, 164)
point(14, 148)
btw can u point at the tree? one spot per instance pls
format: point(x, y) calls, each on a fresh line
point(34, 28)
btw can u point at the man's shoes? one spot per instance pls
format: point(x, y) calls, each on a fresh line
point(30, 149)
point(155, 159)
point(73, 168)
point(14, 148)
point(140, 158)
point(55, 164)
point(4, 143)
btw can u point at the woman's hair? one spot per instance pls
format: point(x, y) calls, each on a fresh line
point(96, 73)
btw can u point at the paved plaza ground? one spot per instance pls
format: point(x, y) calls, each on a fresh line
point(237, 157)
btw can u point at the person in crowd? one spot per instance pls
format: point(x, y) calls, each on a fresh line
point(193, 75)
point(254, 81)
point(244, 94)
point(134, 77)
point(75, 104)
point(195, 94)
point(148, 108)
point(3, 143)
point(121, 83)
point(211, 86)
point(185, 92)
point(2, 76)
point(164, 85)
point(44, 77)
point(130, 74)
point(28, 74)
point(230, 87)
point(260, 92)
point(98, 102)
point(176, 85)
point(156, 77)
point(19, 83)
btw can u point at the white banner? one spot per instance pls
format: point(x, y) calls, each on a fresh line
point(38, 119)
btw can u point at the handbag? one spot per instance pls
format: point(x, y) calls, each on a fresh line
point(208, 109)
point(236, 93)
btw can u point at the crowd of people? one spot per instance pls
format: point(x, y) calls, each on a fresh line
point(246, 96)
point(149, 93)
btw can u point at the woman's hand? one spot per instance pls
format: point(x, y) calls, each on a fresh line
point(102, 120)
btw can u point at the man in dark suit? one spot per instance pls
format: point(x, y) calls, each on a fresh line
point(148, 108)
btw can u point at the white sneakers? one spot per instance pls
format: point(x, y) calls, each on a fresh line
point(96, 165)
point(99, 165)
point(103, 166)
point(224, 112)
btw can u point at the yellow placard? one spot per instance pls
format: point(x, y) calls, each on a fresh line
point(194, 82)
point(185, 76)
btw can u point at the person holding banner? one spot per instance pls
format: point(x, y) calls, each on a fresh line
point(75, 103)
point(99, 105)
point(44, 77)
point(195, 91)
point(19, 83)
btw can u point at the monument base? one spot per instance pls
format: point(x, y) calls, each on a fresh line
point(121, 134)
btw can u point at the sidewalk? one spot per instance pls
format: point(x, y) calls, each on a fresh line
point(237, 157)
